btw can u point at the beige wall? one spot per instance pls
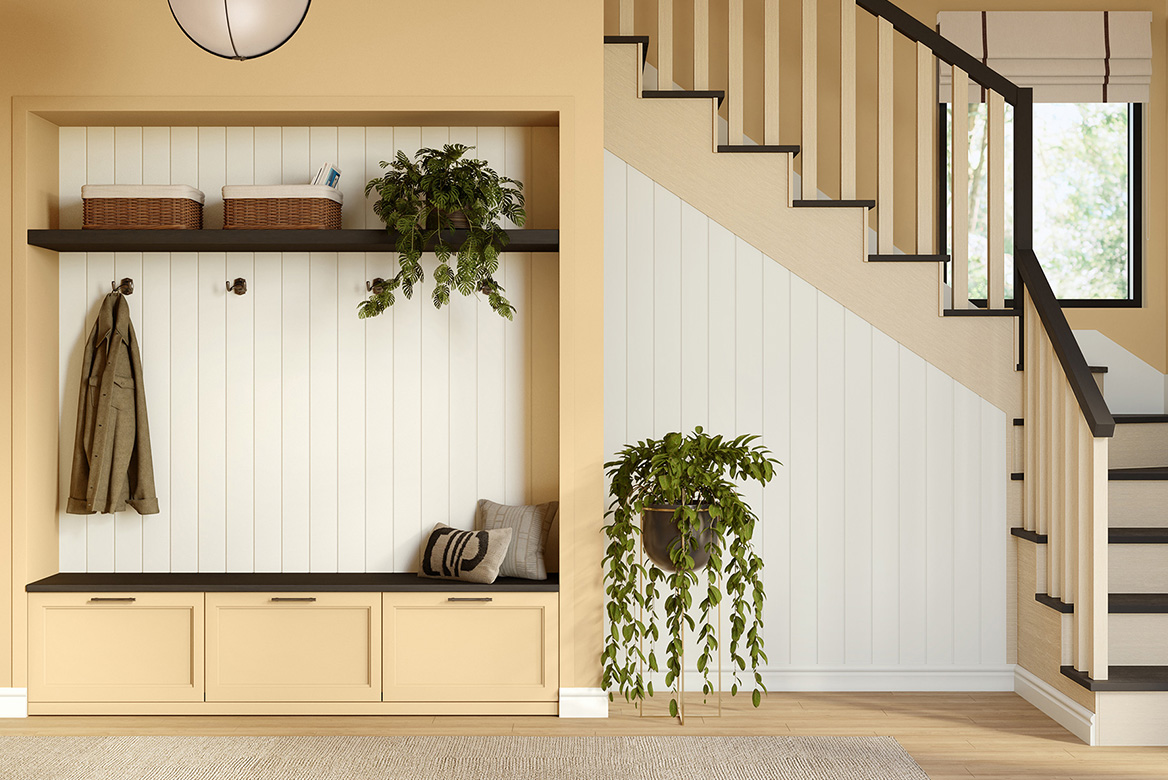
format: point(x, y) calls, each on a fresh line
point(431, 58)
point(1143, 331)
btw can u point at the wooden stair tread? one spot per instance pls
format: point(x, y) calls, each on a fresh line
point(1137, 603)
point(833, 204)
point(1142, 473)
point(980, 312)
point(641, 39)
point(1137, 535)
point(656, 94)
point(1123, 678)
point(758, 148)
point(908, 258)
point(1150, 535)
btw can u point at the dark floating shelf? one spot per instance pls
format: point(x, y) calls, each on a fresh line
point(258, 240)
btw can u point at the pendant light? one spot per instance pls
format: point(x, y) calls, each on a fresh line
point(239, 29)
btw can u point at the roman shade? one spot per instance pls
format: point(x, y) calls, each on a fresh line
point(1065, 56)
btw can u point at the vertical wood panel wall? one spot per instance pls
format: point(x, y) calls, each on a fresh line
point(884, 533)
point(287, 434)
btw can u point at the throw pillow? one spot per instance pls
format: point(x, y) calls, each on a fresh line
point(471, 556)
point(530, 526)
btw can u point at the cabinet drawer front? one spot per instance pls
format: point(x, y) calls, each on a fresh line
point(471, 647)
point(107, 647)
point(293, 647)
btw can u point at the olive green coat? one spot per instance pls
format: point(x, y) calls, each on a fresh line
point(112, 467)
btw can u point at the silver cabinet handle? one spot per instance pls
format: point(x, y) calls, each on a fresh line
point(485, 598)
point(123, 599)
point(293, 598)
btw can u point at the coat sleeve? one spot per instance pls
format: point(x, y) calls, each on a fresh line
point(141, 477)
point(78, 503)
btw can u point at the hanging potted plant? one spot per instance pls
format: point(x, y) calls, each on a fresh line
point(677, 499)
point(423, 200)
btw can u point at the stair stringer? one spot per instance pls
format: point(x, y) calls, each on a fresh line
point(674, 143)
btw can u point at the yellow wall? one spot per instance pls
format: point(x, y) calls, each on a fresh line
point(1143, 331)
point(350, 55)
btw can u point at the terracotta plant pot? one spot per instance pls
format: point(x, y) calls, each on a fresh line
point(659, 532)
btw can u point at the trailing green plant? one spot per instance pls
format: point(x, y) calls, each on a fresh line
point(696, 472)
point(416, 200)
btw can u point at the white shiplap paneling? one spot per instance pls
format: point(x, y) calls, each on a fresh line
point(884, 532)
point(289, 435)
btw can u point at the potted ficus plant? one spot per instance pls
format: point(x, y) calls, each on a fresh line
point(423, 200)
point(677, 498)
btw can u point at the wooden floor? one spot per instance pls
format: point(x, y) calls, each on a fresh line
point(951, 735)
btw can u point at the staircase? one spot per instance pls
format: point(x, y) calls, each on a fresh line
point(1092, 549)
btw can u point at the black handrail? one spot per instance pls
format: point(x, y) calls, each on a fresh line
point(1028, 272)
point(943, 48)
point(1091, 402)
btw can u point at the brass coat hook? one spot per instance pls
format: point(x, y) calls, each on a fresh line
point(126, 287)
point(239, 286)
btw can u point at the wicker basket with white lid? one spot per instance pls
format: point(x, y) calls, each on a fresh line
point(283, 207)
point(141, 207)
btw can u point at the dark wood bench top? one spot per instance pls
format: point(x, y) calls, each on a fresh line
point(278, 582)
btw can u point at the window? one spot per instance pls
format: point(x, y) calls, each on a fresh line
point(1087, 201)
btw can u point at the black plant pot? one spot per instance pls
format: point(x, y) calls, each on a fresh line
point(659, 532)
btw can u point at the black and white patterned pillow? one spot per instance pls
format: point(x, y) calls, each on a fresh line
point(470, 556)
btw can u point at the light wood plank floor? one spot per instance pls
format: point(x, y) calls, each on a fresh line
point(951, 735)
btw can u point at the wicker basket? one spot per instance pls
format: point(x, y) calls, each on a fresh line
point(141, 207)
point(286, 207)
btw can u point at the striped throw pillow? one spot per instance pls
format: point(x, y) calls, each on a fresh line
point(470, 556)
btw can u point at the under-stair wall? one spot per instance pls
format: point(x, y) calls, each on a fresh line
point(885, 533)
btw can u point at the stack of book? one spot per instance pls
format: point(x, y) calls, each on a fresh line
point(328, 175)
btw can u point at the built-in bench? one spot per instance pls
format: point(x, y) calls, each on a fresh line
point(296, 643)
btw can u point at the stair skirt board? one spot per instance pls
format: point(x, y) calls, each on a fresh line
point(1056, 705)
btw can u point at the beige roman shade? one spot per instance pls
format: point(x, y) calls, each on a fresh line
point(1065, 56)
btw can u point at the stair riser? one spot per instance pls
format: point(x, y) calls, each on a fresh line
point(1137, 503)
point(1137, 640)
point(1137, 568)
point(1137, 445)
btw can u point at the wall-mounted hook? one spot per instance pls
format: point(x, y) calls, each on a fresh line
point(126, 287)
point(239, 286)
point(376, 286)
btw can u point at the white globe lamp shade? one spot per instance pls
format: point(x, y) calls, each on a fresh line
point(239, 29)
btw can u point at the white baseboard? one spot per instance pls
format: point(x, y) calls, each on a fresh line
point(1056, 705)
point(583, 703)
point(13, 703)
point(870, 678)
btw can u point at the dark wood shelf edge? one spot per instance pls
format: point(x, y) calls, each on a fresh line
point(178, 241)
point(1142, 419)
point(71, 582)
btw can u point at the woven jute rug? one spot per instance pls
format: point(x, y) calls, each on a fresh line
point(456, 758)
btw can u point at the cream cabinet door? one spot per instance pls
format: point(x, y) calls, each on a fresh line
point(471, 647)
point(109, 647)
point(293, 647)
